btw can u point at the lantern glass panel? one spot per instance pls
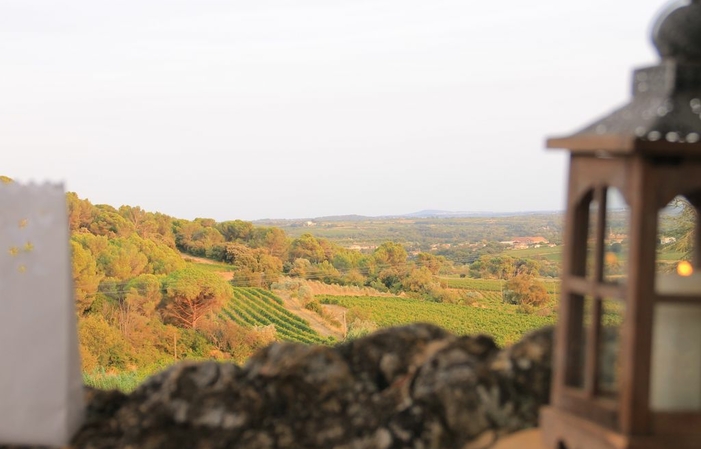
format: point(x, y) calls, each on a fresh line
point(675, 383)
point(580, 322)
point(591, 239)
point(609, 363)
point(675, 241)
point(616, 237)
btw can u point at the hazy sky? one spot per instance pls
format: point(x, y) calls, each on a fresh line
point(289, 109)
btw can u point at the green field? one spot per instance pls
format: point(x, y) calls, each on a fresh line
point(215, 267)
point(252, 307)
point(503, 326)
point(126, 381)
point(491, 285)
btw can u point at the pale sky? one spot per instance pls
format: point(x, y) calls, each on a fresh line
point(292, 109)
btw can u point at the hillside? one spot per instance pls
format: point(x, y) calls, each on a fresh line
point(152, 289)
point(254, 307)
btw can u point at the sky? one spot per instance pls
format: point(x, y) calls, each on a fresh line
point(309, 108)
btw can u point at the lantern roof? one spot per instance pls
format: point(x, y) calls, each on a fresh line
point(664, 115)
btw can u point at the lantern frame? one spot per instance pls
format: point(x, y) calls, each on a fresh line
point(650, 151)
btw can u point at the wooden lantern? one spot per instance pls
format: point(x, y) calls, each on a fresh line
point(639, 386)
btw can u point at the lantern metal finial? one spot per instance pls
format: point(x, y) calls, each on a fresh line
point(677, 32)
point(664, 116)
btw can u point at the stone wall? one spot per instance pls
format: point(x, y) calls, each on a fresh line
point(415, 386)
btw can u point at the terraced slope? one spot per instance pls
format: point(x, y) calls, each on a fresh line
point(257, 307)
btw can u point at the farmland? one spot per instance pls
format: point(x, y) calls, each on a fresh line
point(251, 307)
point(504, 326)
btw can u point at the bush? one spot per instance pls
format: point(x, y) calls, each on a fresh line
point(314, 306)
point(526, 291)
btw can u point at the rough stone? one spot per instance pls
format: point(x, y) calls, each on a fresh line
point(416, 386)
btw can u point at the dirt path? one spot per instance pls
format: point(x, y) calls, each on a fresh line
point(319, 324)
point(192, 258)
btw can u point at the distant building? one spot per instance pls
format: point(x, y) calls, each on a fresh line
point(526, 242)
point(362, 247)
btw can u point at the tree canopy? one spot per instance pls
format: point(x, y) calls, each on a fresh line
point(191, 293)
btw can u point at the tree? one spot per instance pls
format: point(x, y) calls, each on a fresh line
point(86, 277)
point(390, 254)
point(162, 259)
point(123, 259)
point(80, 212)
point(307, 247)
point(192, 293)
point(502, 267)
point(101, 344)
point(107, 221)
point(236, 230)
point(273, 239)
point(138, 306)
point(300, 268)
point(196, 237)
point(525, 290)
point(433, 263)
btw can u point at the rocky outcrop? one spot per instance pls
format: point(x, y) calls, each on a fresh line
point(416, 386)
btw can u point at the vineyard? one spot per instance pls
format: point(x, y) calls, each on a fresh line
point(257, 307)
point(490, 285)
point(505, 327)
point(482, 285)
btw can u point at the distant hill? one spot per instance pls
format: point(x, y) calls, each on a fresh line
point(432, 213)
point(427, 213)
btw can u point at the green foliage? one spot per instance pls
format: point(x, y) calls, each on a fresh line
point(251, 267)
point(390, 254)
point(307, 247)
point(236, 230)
point(125, 381)
point(102, 344)
point(197, 237)
point(191, 294)
point(107, 221)
point(236, 341)
point(123, 259)
point(80, 212)
point(86, 277)
point(431, 262)
point(193, 344)
point(525, 290)
point(358, 328)
point(314, 306)
point(503, 267)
